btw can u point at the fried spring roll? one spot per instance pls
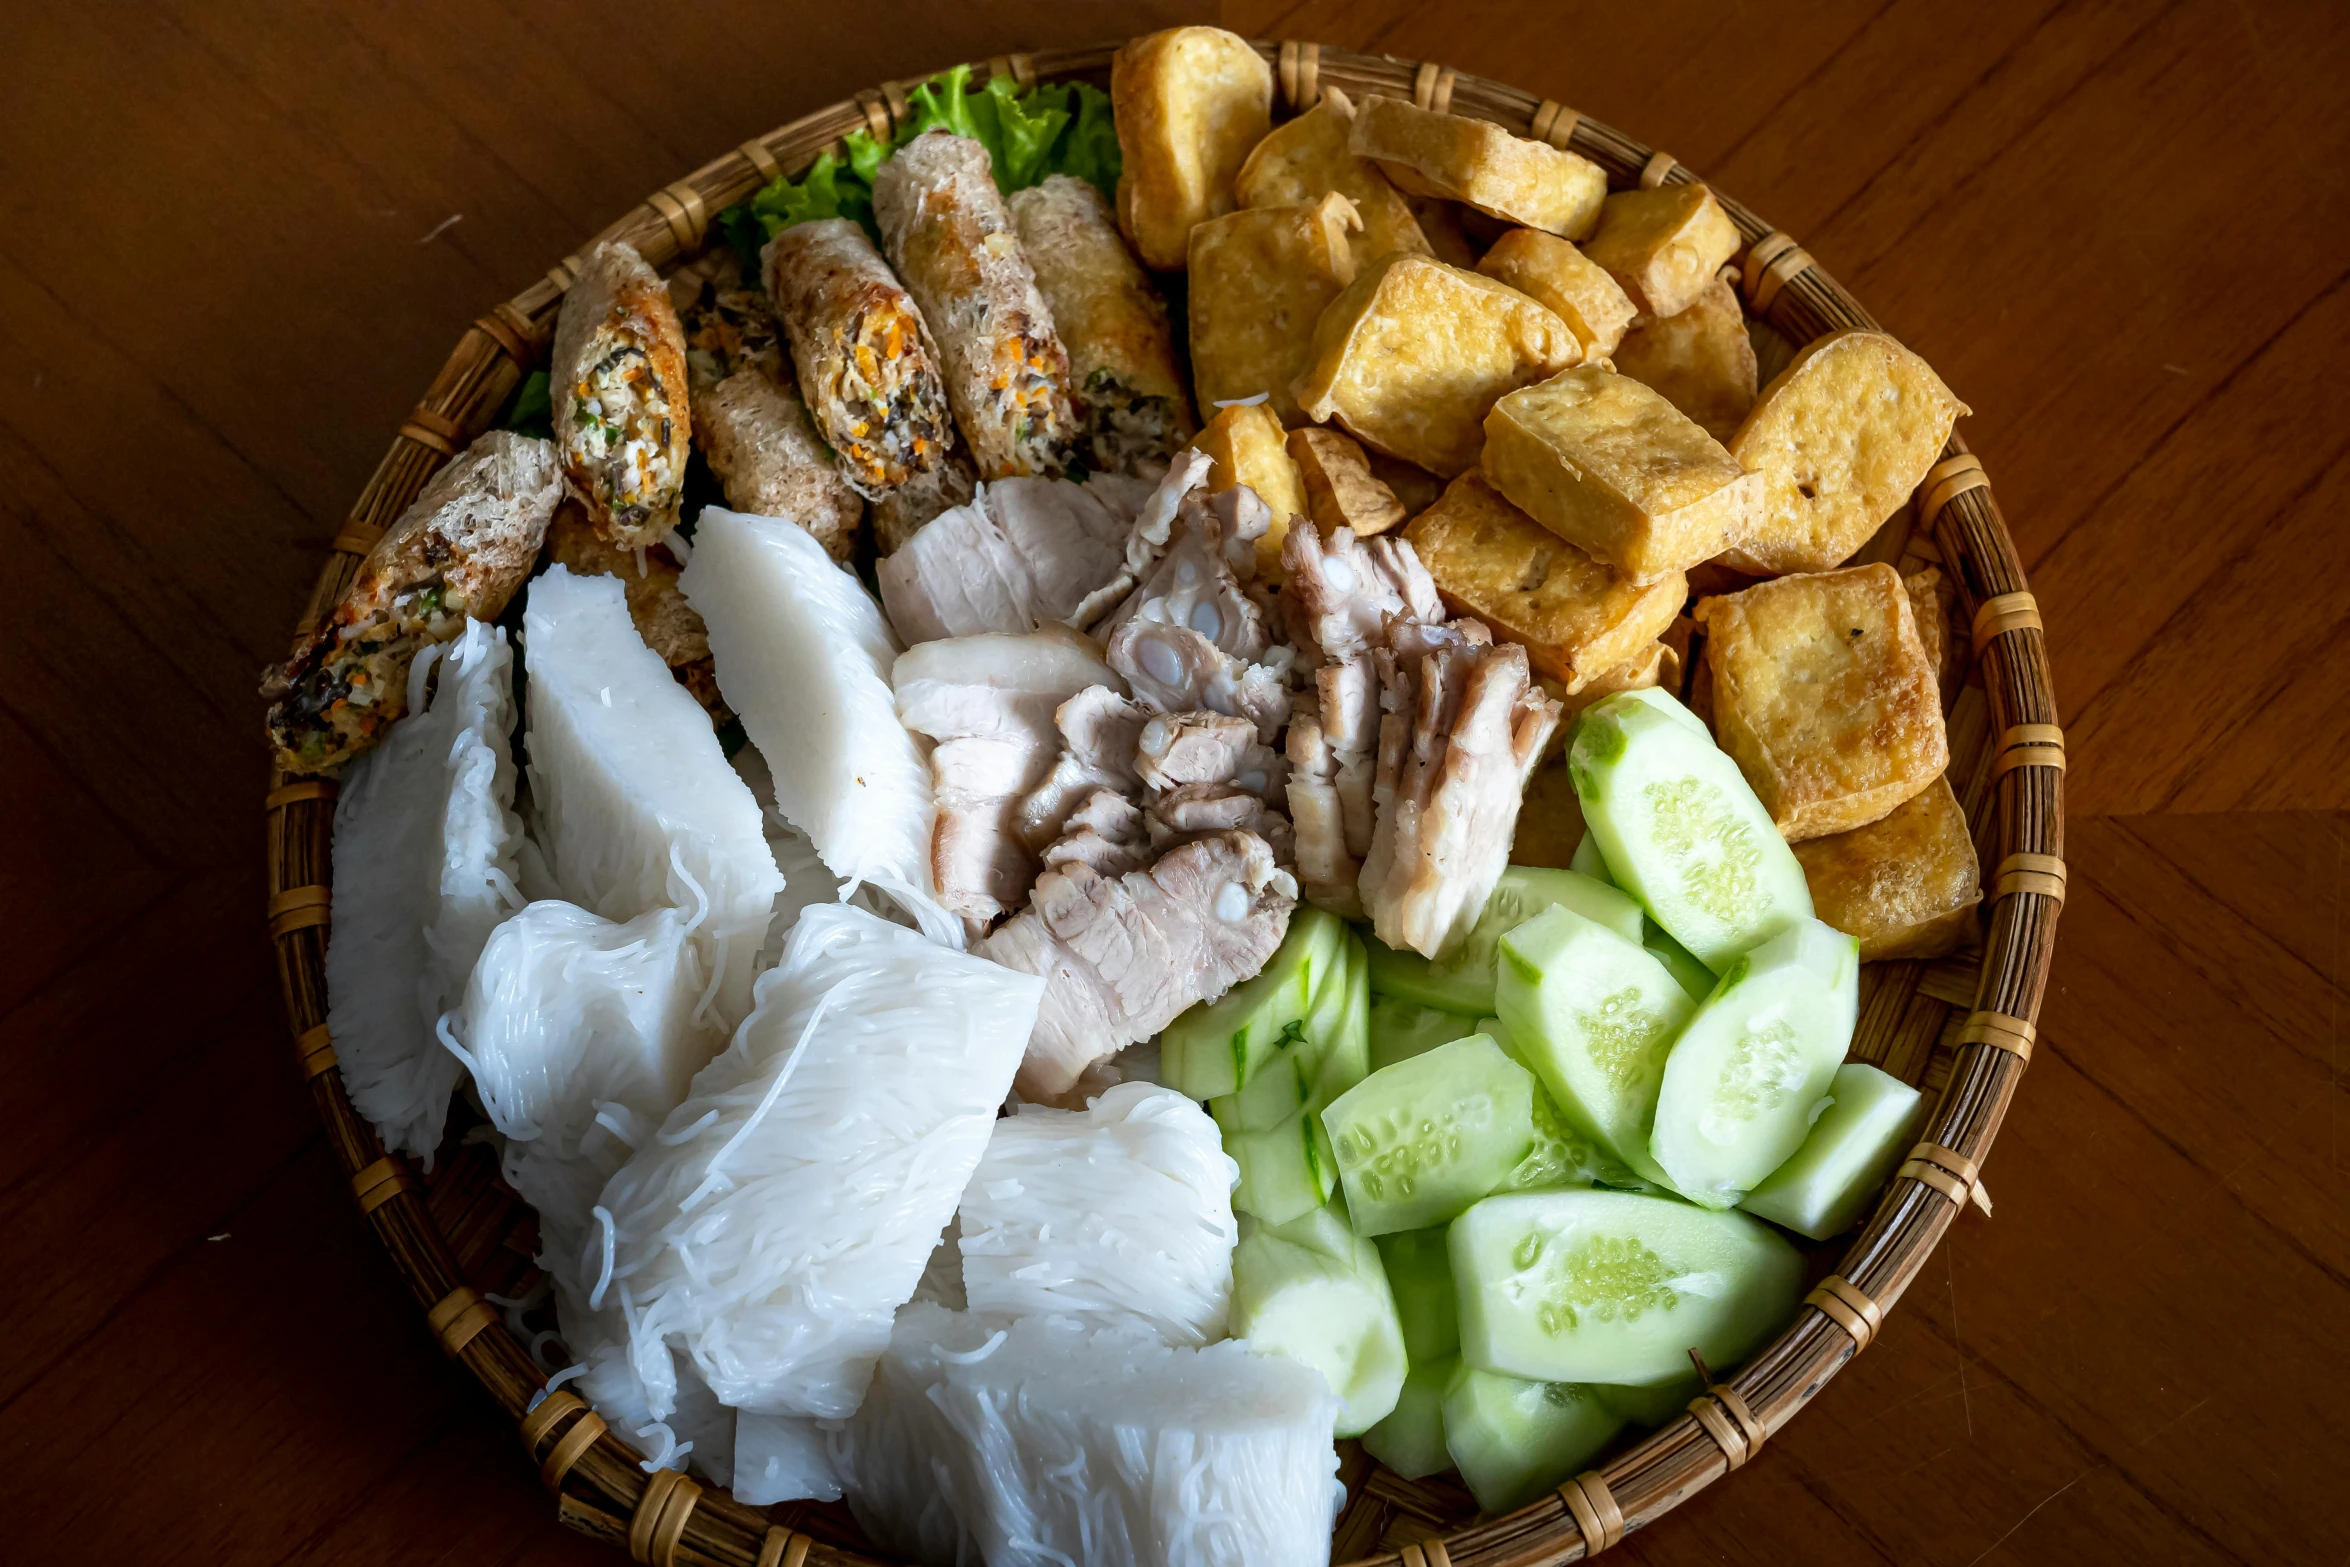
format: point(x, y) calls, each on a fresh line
point(1131, 406)
point(867, 367)
point(748, 417)
point(458, 553)
point(951, 240)
point(618, 382)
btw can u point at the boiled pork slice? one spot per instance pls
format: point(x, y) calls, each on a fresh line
point(1342, 591)
point(1098, 729)
point(1174, 669)
point(1463, 729)
point(1123, 956)
point(1106, 832)
point(1198, 582)
point(988, 701)
point(1020, 553)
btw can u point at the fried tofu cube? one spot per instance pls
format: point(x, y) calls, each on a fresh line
point(1248, 446)
point(1190, 103)
point(1413, 353)
point(1442, 226)
point(1341, 491)
point(1577, 618)
point(1479, 164)
point(1905, 885)
point(1823, 696)
point(1550, 820)
point(1307, 159)
point(1611, 467)
point(1593, 304)
point(1414, 486)
point(1260, 279)
point(1841, 438)
point(1930, 598)
point(1664, 245)
point(1701, 360)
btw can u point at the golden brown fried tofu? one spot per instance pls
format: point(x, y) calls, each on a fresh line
point(1479, 164)
point(1593, 304)
point(1413, 485)
point(1307, 159)
point(1611, 467)
point(1248, 446)
point(1190, 104)
point(1905, 885)
point(1929, 605)
point(1664, 245)
point(1701, 360)
point(1550, 822)
point(1441, 224)
point(1260, 279)
point(1341, 491)
point(1841, 437)
point(1823, 696)
point(1576, 618)
point(1413, 352)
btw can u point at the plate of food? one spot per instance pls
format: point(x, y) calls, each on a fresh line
point(1200, 803)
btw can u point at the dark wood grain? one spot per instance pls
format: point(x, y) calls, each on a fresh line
point(226, 270)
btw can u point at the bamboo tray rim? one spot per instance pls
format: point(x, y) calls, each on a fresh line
point(599, 1486)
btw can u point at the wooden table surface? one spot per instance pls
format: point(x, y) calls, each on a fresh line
point(240, 236)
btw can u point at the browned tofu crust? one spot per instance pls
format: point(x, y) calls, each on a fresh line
point(1341, 491)
point(1190, 104)
point(1823, 696)
point(1259, 281)
point(1576, 618)
point(1906, 885)
point(1701, 360)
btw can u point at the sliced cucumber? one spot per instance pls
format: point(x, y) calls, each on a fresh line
point(1419, 1141)
point(1419, 1270)
point(1750, 1073)
point(1410, 1440)
point(1562, 1156)
point(1463, 981)
point(1692, 976)
point(1514, 1439)
point(1595, 1016)
point(1681, 830)
point(1311, 1291)
point(1825, 1187)
point(1402, 1029)
point(1328, 1045)
point(1588, 861)
point(1285, 1170)
point(1652, 1406)
point(1217, 1046)
point(1584, 1286)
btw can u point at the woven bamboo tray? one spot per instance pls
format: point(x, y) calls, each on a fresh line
point(1959, 1028)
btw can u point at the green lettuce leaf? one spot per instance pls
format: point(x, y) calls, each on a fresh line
point(533, 411)
point(1027, 125)
point(1090, 149)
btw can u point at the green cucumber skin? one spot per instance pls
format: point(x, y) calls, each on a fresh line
point(1421, 1140)
point(1214, 1048)
point(1558, 973)
point(1463, 982)
point(1616, 1287)
point(1854, 1147)
point(1286, 1171)
point(1631, 758)
point(1402, 1029)
point(1410, 1440)
point(1514, 1439)
point(1419, 1271)
point(1694, 978)
point(1751, 1072)
point(1651, 1406)
point(1343, 1278)
point(1325, 1058)
point(1588, 861)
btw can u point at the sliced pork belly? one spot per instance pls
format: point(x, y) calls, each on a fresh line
point(988, 701)
point(1463, 729)
point(1174, 669)
point(1122, 956)
point(1342, 591)
point(1098, 728)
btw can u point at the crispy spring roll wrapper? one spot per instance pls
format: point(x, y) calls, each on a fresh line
point(952, 241)
point(457, 554)
point(900, 514)
point(748, 417)
point(868, 369)
point(618, 383)
point(1131, 407)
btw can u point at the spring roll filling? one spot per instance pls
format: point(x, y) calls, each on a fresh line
point(623, 435)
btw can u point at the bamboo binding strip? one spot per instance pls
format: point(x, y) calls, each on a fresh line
point(1593, 1507)
point(1848, 1306)
point(1426, 1553)
point(1780, 280)
point(461, 1315)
